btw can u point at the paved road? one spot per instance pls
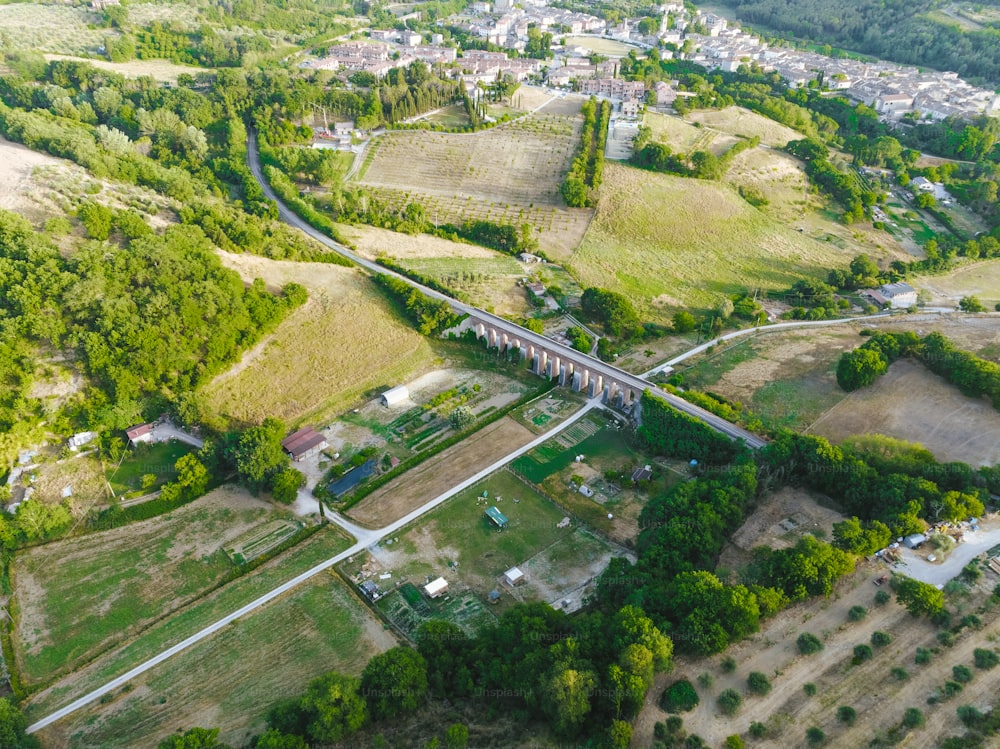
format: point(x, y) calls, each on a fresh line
point(365, 538)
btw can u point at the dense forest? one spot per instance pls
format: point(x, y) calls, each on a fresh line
point(898, 31)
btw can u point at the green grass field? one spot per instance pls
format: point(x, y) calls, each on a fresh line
point(77, 597)
point(667, 242)
point(169, 631)
point(153, 459)
point(239, 672)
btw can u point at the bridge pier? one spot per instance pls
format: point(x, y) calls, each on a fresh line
point(562, 375)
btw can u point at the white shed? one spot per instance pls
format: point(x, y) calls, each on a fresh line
point(436, 588)
point(394, 397)
point(513, 576)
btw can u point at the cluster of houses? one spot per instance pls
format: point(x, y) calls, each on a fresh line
point(503, 24)
point(893, 90)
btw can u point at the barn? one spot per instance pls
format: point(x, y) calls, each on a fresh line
point(304, 443)
point(395, 396)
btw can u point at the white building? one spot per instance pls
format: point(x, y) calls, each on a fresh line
point(436, 588)
point(514, 576)
point(394, 397)
point(900, 295)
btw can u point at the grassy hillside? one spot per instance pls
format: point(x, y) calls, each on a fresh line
point(668, 241)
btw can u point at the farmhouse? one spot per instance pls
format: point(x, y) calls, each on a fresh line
point(497, 518)
point(139, 433)
point(436, 588)
point(900, 295)
point(304, 443)
point(395, 396)
point(875, 296)
point(514, 576)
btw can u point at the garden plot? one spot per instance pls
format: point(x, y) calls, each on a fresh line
point(600, 484)
point(78, 597)
point(458, 543)
point(261, 540)
point(509, 174)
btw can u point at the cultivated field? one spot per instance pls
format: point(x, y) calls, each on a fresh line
point(344, 342)
point(911, 403)
point(878, 696)
point(80, 596)
point(509, 174)
point(322, 545)
point(51, 28)
point(438, 474)
point(668, 241)
point(747, 124)
point(231, 679)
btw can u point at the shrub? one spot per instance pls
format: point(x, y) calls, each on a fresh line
point(951, 688)
point(809, 688)
point(913, 718)
point(985, 659)
point(969, 715)
point(847, 714)
point(857, 613)
point(758, 683)
point(734, 742)
point(962, 674)
point(674, 724)
point(659, 730)
point(809, 643)
point(705, 680)
point(729, 701)
point(679, 697)
point(923, 657)
point(946, 638)
point(899, 674)
point(882, 598)
point(758, 729)
point(815, 736)
point(881, 639)
point(729, 664)
point(862, 653)
point(972, 622)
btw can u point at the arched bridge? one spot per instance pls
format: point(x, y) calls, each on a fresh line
point(548, 358)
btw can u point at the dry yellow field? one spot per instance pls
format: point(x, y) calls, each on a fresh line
point(344, 341)
point(743, 122)
point(370, 242)
point(670, 241)
point(160, 70)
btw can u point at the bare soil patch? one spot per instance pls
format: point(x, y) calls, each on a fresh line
point(440, 473)
point(911, 403)
point(779, 521)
